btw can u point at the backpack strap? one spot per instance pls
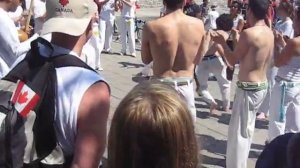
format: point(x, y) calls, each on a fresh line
point(69, 61)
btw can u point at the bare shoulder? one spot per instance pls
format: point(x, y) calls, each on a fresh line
point(258, 33)
point(223, 33)
point(199, 23)
point(95, 102)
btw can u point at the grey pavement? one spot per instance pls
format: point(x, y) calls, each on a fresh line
point(211, 131)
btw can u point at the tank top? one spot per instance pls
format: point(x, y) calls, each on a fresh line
point(72, 83)
point(290, 71)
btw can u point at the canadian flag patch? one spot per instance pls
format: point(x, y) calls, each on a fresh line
point(24, 99)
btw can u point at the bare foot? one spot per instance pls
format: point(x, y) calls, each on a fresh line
point(213, 110)
point(261, 116)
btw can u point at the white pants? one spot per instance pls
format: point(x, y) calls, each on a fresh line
point(265, 106)
point(106, 33)
point(91, 51)
point(284, 115)
point(185, 91)
point(218, 68)
point(147, 70)
point(127, 27)
point(241, 126)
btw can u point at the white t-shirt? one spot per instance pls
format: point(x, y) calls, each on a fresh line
point(108, 11)
point(285, 27)
point(128, 11)
point(236, 21)
point(210, 22)
point(10, 46)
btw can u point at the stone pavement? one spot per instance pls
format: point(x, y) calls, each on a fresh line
point(211, 131)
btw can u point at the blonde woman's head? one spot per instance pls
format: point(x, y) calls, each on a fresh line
point(152, 128)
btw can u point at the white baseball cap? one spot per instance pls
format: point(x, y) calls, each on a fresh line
point(68, 16)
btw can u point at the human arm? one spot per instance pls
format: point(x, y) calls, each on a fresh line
point(10, 41)
point(203, 47)
point(146, 52)
point(240, 50)
point(91, 127)
point(240, 25)
point(283, 57)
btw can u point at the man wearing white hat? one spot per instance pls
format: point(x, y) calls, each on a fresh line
point(82, 97)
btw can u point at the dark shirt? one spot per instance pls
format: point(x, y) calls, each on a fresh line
point(191, 9)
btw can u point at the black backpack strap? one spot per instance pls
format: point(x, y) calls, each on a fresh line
point(69, 60)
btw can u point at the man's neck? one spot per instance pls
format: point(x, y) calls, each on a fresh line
point(168, 11)
point(4, 6)
point(72, 43)
point(259, 23)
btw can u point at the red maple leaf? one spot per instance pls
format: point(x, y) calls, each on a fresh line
point(23, 98)
point(63, 2)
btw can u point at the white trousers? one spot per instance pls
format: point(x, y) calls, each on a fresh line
point(241, 126)
point(127, 27)
point(185, 91)
point(265, 106)
point(218, 68)
point(91, 51)
point(106, 33)
point(284, 110)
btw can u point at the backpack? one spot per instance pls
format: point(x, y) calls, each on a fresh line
point(27, 108)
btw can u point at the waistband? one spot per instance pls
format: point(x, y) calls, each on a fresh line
point(252, 86)
point(287, 83)
point(179, 81)
point(209, 57)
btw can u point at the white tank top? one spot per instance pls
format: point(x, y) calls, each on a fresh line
point(291, 71)
point(72, 83)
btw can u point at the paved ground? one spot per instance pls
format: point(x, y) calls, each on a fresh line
point(211, 132)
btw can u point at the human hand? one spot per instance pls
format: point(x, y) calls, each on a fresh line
point(279, 38)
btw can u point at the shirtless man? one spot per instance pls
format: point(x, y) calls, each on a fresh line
point(213, 62)
point(173, 44)
point(253, 51)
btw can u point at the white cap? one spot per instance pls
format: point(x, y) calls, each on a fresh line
point(68, 16)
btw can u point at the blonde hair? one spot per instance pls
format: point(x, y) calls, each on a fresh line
point(152, 128)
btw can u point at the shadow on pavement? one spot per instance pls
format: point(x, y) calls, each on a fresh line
point(131, 65)
point(218, 147)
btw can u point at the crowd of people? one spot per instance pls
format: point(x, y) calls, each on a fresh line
point(153, 125)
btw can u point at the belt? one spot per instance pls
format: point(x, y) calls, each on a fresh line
point(209, 57)
point(175, 82)
point(284, 85)
point(252, 86)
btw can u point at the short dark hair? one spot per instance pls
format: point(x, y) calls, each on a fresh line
point(259, 8)
point(224, 22)
point(174, 4)
point(238, 4)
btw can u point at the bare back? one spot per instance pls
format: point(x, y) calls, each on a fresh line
point(260, 46)
point(174, 44)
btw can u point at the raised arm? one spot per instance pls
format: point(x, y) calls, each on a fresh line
point(241, 48)
point(91, 126)
point(283, 57)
